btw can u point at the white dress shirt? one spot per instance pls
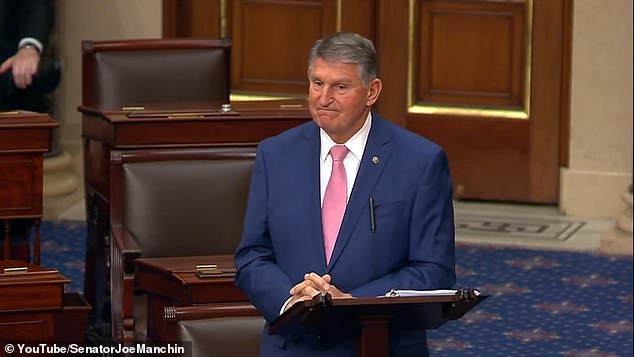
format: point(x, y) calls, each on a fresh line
point(355, 145)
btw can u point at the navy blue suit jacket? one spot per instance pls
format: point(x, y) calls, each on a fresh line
point(411, 248)
point(20, 19)
point(24, 18)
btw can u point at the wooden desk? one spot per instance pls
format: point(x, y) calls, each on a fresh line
point(173, 282)
point(29, 302)
point(105, 129)
point(34, 307)
point(24, 138)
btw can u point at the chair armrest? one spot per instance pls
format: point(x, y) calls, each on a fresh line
point(125, 245)
point(206, 314)
point(123, 252)
point(124, 240)
point(196, 312)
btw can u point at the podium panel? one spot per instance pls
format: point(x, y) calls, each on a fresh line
point(371, 319)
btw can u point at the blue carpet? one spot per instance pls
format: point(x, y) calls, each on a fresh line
point(542, 303)
point(62, 247)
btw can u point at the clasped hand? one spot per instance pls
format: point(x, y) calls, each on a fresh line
point(312, 285)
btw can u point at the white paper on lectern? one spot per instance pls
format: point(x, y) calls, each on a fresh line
point(405, 293)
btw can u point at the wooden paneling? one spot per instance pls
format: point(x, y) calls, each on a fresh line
point(32, 303)
point(471, 53)
point(489, 92)
point(359, 16)
point(272, 40)
point(392, 48)
point(566, 61)
point(488, 158)
point(547, 75)
point(204, 18)
point(19, 177)
point(24, 138)
point(34, 327)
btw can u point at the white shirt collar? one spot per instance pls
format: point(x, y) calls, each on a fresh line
point(355, 145)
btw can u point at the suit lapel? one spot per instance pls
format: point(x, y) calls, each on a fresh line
point(375, 156)
point(313, 200)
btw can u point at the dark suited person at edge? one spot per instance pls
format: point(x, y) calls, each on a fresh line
point(289, 254)
point(25, 27)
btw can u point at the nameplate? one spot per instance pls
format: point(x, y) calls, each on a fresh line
point(178, 114)
point(16, 270)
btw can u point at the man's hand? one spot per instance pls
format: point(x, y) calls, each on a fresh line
point(312, 285)
point(23, 65)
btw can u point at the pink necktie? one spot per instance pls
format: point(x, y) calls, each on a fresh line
point(334, 200)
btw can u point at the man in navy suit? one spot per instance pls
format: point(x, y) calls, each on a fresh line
point(397, 231)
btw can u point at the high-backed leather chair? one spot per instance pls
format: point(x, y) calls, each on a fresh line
point(216, 330)
point(146, 73)
point(132, 73)
point(167, 203)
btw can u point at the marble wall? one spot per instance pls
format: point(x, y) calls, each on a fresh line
point(78, 20)
point(600, 166)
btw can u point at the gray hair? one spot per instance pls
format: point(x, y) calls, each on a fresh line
point(347, 47)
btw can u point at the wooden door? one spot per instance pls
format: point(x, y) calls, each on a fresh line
point(484, 79)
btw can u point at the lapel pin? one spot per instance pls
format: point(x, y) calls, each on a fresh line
point(375, 160)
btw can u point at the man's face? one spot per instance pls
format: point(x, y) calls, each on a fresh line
point(337, 99)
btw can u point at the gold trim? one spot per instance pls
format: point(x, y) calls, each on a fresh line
point(410, 53)
point(338, 24)
point(15, 270)
point(235, 97)
point(206, 266)
point(465, 110)
point(223, 19)
point(529, 56)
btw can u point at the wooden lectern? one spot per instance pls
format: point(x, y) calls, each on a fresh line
point(372, 318)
